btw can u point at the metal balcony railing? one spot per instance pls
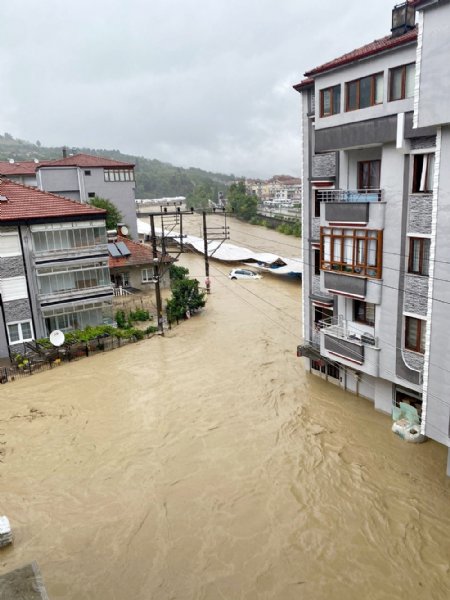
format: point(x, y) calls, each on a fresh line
point(348, 331)
point(367, 195)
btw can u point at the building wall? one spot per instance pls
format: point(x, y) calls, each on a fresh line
point(73, 183)
point(438, 401)
point(433, 104)
point(381, 63)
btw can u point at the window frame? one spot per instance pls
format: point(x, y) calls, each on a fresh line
point(149, 275)
point(22, 339)
point(373, 79)
point(417, 173)
point(372, 162)
point(365, 320)
point(403, 70)
point(346, 240)
point(424, 256)
point(333, 110)
point(419, 345)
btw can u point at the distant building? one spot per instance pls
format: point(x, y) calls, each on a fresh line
point(131, 265)
point(23, 171)
point(82, 177)
point(280, 188)
point(53, 266)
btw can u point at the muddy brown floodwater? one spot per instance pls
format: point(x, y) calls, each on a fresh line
point(208, 465)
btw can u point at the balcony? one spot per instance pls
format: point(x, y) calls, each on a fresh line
point(355, 207)
point(352, 286)
point(345, 342)
point(367, 195)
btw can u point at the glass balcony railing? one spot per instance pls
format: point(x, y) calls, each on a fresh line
point(366, 195)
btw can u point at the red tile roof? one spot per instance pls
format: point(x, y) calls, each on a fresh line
point(24, 203)
point(86, 160)
point(22, 167)
point(303, 84)
point(140, 255)
point(381, 45)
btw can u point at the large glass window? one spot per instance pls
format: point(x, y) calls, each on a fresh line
point(330, 101)
point(79, 316)
point(121, 174)
point(20, 331)
point(354, 251)
point(55, 240)
point(415, 334)
point(364, 92)
point(401, 83)
point(53, 280)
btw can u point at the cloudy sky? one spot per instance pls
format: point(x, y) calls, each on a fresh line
point(203, 83)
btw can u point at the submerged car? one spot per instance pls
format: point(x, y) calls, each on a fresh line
point(243, 274)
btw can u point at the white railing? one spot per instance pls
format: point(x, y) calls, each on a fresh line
point(369, 195)
point(347, 330)
point(120, 291)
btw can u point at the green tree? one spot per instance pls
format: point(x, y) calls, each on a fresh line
point(243, 205)
point(200, 196)
point(185, 297)
point(113, 214)
point(176, 273)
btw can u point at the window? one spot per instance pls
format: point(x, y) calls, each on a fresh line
point(423, 173)
point(354, 251)
point(369, 174)
point(87, 173)
point(401, 84)
point(147, 275)
point(364, 92)
point(419, 256)
point(91, 194)
point(122, 174)
point(66, 239)
point(364, 312)
point(19, 332)
point(330, 101)
point(64, 278)
point(415, 334)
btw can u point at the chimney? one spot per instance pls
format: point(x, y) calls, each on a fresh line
point(403, 18)
point(64, 151)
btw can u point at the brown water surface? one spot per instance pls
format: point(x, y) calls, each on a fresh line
point(208, 465)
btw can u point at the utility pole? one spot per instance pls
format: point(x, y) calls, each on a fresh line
point(156, 275)
point(158, 272)
point(210, 234)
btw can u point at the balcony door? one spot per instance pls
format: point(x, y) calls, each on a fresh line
point(369, 174)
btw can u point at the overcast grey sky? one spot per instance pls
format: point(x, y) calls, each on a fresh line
point(202, 83)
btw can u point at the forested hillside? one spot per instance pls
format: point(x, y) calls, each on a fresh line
point(154, 179)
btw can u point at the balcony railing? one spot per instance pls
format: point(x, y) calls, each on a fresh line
point(348, 331)
point(367, 195)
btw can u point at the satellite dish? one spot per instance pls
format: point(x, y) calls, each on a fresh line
point(57, 338)
point(124, 230)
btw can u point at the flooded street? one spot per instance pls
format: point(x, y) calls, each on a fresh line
point(208, 465)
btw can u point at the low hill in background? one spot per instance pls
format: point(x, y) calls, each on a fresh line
point(154, 179)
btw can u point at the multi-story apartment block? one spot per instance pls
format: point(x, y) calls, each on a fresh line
point(53, 266)
point(375, 241)
point(82, 177)
point(281, 188)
